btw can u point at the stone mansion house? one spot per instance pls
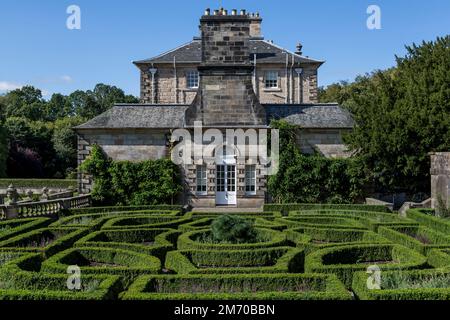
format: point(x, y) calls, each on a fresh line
point(228, 77)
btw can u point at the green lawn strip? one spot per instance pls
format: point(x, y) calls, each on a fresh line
point(322, 221)
point(405, 285)
point(115, 209)
point(344, 261)
point(268, 260)
point(237, 287)
point(206, 223)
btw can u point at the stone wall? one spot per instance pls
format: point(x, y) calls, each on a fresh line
point(131, 145)
point(440, 178)
point(328, 142)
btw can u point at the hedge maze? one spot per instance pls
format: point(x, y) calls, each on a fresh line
point(298, 252)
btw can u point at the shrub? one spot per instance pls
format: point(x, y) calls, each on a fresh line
point(270, 260)
point(132, 183)
point(405, 285)
point(344, 261)
point(206, 222)
point(127, 264)
point(322, 221)
point(442, 209)
point(237, 287)
point(233, 229)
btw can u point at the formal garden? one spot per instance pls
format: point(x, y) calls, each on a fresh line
point(287, 252)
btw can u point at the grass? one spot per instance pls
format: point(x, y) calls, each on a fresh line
point(399, 280)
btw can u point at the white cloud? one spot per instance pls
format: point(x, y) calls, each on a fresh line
point(66, 78)
point(8, 86)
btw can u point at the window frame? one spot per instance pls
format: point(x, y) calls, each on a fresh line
point(250, 179)
point(275, 79)
point(190, 77)
point(202, 180)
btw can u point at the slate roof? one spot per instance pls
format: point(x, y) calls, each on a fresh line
point(326, 115)
point(137, 116)
point(266, 52)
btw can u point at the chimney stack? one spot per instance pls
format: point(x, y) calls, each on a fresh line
point(225, 96)
point(255, 25)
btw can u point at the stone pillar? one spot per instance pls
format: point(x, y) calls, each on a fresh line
point(440, 178)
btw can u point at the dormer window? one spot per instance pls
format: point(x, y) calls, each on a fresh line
point(271, 79)
point(192, 79)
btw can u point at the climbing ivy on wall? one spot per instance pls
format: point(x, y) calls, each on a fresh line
point(132, 183)
point(312, 178)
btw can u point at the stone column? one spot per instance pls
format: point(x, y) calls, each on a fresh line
point(440, 178)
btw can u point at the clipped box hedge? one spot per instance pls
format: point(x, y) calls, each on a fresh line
point(17, 284)
point(287, 207)
point(268, 260)
point(91, 260)
point(266, 214)
point(313, 239)
point(416, 238)
point(436, 223)
point(46, 240)
point(405, 285)
point(189, 240)
point(163, 207)
point(237, 287)
point(154, 242)
point(439, 258)
point(206, 223)
point(371, 220)
point(344, 261)
point(96, 220)
point(322, 221)
point(144, 222)
point(11, 228)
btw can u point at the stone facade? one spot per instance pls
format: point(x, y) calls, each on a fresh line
point(232, 61)
point(171, 84)
point(440, 178)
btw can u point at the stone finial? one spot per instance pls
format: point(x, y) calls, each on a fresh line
point(12, 196)
point(30, 194)
point(207, 12)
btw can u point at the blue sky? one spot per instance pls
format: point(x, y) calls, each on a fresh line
point(38, 49)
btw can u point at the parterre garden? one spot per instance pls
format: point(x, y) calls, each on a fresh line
point(296, 252)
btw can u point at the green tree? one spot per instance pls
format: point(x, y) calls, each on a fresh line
point(25, 102)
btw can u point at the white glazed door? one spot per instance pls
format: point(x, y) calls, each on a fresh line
point(226, 184)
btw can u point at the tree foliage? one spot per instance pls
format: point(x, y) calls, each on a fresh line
point(39, 132)
point(402, 114)
point(233, 229)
